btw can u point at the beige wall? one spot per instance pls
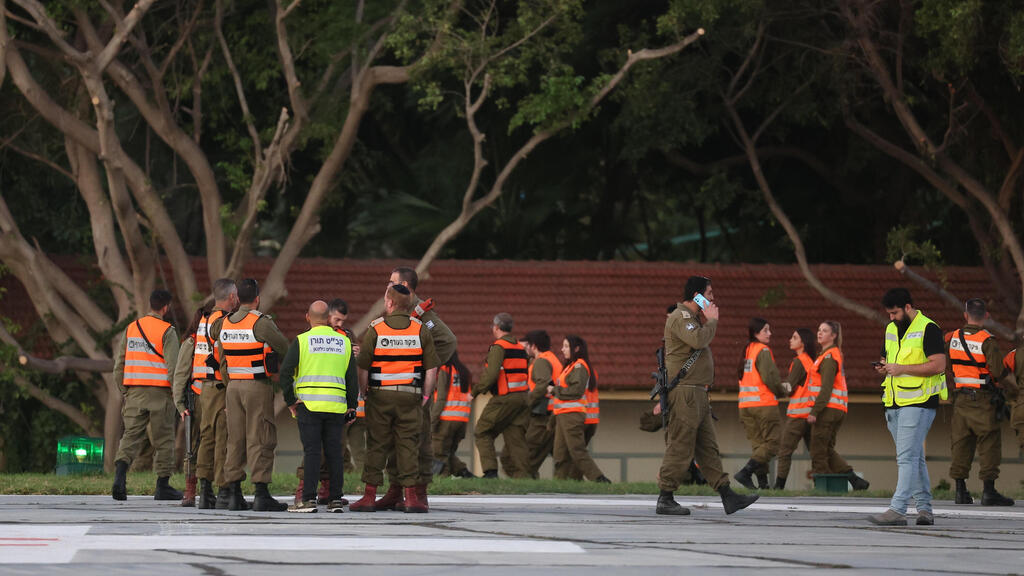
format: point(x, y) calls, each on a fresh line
point(624, 452)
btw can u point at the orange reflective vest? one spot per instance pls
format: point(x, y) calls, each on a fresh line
point(593, 407)
point(246, 356)
point(967, 372)
point(513, 375)
point(1010, 361)
point(361, 409)
point(569, 406)
point(144, 363)
point(802, 400)
point(397, 355)
point(205, 349)
point(753, 391)
point(839, 398)
point(556, 369)
point(458, 403)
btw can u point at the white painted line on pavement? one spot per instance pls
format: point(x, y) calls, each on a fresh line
point(35, 544)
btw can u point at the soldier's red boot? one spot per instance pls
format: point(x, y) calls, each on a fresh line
point(298, 491)
point(421, 495)
point(188, 499)
point(413, 505)
point(392, 499)
point(366, 503)
point(324, 495)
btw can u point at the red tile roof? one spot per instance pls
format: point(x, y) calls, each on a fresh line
point(618, 307)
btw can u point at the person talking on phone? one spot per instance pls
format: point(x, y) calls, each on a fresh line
point(913, 366)
point(689, 331)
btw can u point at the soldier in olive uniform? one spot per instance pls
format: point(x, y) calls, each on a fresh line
point(544, 368)
point(974, 358)
point(1014, 364)
point(507, 412)
point(691, 432)
point(242, 339)
point(143, 368)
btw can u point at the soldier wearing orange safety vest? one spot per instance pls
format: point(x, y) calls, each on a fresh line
point(199, 363)
point(143, 365)
point(544, 368)
point(450, 417)
point(506, 377)
point(398, 371)
point(569, 406)
point(830, 407)
point(251, 346)
point(802, 380)
point(760, 384)
point(976, 362)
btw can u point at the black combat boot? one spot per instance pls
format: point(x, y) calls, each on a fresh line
point(164, 490)
point(962, 495)
point(762, 481)
point(858, 483)
point(120, 491)
point(490, 474)
point(264, 502)
point(743, 476)
point(780, 483)
point(989, 496)
point(236, 501)
point(207, 501)
point(733, 502)
point(223, 497)
point(668, 505)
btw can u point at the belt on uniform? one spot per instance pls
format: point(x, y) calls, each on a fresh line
point(399, 388)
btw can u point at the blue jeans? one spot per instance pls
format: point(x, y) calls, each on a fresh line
point(909, 426)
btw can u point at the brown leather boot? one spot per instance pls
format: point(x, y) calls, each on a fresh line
point(413, 505)
point(421, 494)
point(392, 499)
point(188, 499)
point(366, 503)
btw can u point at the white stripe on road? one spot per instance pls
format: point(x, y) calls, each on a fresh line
point(36, 544)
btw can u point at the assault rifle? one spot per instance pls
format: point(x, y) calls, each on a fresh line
point(662, 385)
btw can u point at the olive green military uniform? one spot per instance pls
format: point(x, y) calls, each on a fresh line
point(445, 344)
point(179, 387)
point(506, 415)
point(1015, 397)
point(249, 405)
point(540, 431)
point(825, 430)
point(974, 425)
point(691, 431)
point(355, 445)
point(394, 419)
point(213, 426)
point(572, 459)
point(148, 406)
point(763, 424)
point(794, 429)
point(446, 435)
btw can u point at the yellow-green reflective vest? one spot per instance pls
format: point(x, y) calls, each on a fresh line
point(324, 356)
point(905, 390)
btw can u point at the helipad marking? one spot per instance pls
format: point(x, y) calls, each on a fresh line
point(759, 505)
point(70, 539)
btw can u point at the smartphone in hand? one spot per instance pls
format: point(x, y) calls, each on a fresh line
point(701, 301)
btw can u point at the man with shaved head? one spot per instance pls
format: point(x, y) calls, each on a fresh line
point(318, 378)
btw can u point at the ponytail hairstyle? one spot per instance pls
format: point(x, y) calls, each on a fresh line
point(837, 329)
point(753, 327)
point(578, 351)
point(807, 337)
point(193, 327)
point(465, 376)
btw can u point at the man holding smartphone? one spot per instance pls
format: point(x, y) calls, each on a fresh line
point(691, 432)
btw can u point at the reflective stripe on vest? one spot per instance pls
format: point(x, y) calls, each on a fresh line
point(144, 365)
point(567, 406)
point(905, 390)
point(753, 391)
point(458, 403)
point(245, 355)
point(324, 356)
point(840, 397)
point(802, 400)
point(513, 375)
point(205, 348)
point(397, 355)
point(968, 373)
point(556, 369)
point(361, 409)
point(593, 407)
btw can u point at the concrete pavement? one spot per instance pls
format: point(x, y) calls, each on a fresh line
point(545, 534)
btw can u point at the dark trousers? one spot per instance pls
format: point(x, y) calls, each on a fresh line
point(321, 431)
